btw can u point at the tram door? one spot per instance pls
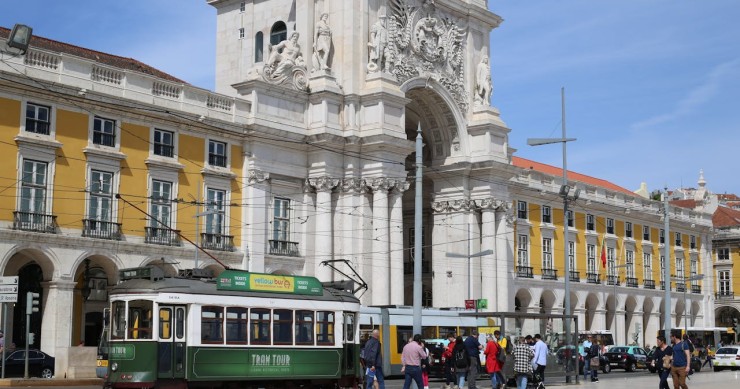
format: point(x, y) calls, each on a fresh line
point(171, 347)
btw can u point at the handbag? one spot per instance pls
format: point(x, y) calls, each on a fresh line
point(595, 362)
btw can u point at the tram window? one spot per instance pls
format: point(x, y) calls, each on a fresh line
point(140, 319)
point(304, 327)
point(260, 326)
point(180, 321)
point(403, 335)
point(349, 327)
point(325, 328)
point(118, 324)
point(165, 323)
point(211, 324)
point(282, 326)
point(236, 325)
point(444, 331)
point(429, 333)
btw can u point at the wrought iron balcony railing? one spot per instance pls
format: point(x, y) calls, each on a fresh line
point(36, 222)
point(549, 274)
point(101, 229)
point(162, 236)
point(575, 276)
point(284, 248)
point(649, 284)
point(680, 287)
point(726, 295)
point(524, 272)
point(217, 242)
point(662, 285)
point(593, 278)
point(631, 282)
point(612, 280)
point(696, 289)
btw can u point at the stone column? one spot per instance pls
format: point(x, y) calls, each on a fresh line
point(351, 202)
point(491, 276)
point(504, 253)
point(380, 287)
point(56, 326)
point(307, 229)
point(396, 242)
point(324, 232)
point(254, 239)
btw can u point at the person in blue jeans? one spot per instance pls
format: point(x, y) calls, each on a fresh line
point(663, 350)
point(374, 362)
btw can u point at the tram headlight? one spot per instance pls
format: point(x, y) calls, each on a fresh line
point(114, 366)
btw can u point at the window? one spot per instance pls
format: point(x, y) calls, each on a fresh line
point(241, 33)
point(38, 119)
point(662, 236)
point(678, 238)
point(278, 33)
point(259, 321)
point(217, 153)
point(723, 254)
point(546, 214)
point(693, 270)
point(104, 132)
point(304, 327)
point(522, 251)
point(547, 253)
point(242, 7)
point(236, 325)
point(629, 256)
point(165, 323)
point(570, 219)
point(521, 209)
point(610, 262)
point(591, 258)
point(662, 267)
point(140, 319)
point(680, 267)
point(590, 222)
point(215, 207)
point(211, 324)
point(647, 266)
point(33, 188)
point(725, 287)
point(692, 242)
point(161, 206)
point(325, 328)
point(101, 196)
point(628, 229)
point(646, 233)
point(282, 326)
point(610, 226)
point(118, 320)
point(258, 47)
point(281, 221)
point(572, 256)
point(164, 143)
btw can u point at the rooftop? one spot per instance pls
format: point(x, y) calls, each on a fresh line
point(572, 176)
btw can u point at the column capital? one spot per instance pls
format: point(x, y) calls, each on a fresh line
point(489, 203)
point(466, 205)
point(400, 187)
point(323, 183)
point(256, 176)
point(353, 185)
point(383, 184)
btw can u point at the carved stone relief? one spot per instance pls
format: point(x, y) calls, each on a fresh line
point(285, 64)
point(323, 184)
point(483, 84)
point(322, 45)
point(257, 177)
point(469, 205)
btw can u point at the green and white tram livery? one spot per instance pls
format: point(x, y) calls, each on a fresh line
point(239, 330)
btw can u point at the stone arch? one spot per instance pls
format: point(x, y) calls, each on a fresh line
point(573, 302)
point(20, 255)
point(724, 314)
point(695, 311)
point(591, 307)
point(547, 301)
point(522, 300)
point(94, 273)
point(680, 311)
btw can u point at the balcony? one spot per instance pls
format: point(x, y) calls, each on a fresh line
point(216, 160)
point(575, 276)
point(101, 229)
point(649, 284)
point(631, 282)
point(612, 280)
point(408, 267)
point(217, 242)
point(593, 278)
point(662, 285)
point(161, 236)
point(680, 287)
point(36, 222)
point(284, 248)
point(524, 272)
point(549, 274)
point(727, 295)
point(696, 289)
point(104, 139)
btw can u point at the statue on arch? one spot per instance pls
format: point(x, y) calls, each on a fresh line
point(483, 84)
point(377, 44)
point(283, 57)
point(322, 44)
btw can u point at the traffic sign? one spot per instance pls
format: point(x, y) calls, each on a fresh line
point(9, 289)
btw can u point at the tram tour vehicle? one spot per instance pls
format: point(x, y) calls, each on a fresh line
point(237, 330)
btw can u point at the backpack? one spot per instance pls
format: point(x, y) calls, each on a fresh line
point(459, 358)
point(500, 354)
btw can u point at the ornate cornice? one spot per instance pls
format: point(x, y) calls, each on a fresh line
point(354, 185)
point(323, 184)
point(255, 176)
point(382, 184)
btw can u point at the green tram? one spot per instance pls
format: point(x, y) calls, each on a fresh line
point(239, 330)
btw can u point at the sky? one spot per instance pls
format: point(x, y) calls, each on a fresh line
point(652, 87)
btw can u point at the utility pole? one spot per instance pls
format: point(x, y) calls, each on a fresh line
point(418, 255)
point(666, 269)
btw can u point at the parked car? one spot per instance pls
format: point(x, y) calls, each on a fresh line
point(727, 357)
point(40, 364)
point(628, 358)
point(436, 364)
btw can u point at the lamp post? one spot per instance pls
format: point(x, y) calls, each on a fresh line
point(564, 190)
point(695, 277)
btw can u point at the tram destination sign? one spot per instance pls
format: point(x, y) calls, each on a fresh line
point(9, 289)
point(258, 282)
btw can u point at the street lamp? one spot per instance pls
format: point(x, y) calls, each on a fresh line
point(470, 266)
point(684, 279)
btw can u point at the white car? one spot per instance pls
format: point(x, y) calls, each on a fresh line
point(727, 357)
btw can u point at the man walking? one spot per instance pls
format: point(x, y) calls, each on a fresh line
point(523, 355)
point(659, 356)
point(374, 361)
point(585, 354)
point(473, 347)
point(413, 359)
point(681, 358)
point(540, 357)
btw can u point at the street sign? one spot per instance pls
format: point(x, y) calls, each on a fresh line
point(469, 304)
point(9, 289)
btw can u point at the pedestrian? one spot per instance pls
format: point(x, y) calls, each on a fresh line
point(594, 352)
point(374, 362)
point(461, 361)
point(493, 366)
point(523, 356)
point(412, 359)
point(449, 368)
point(539, 362)
point(681, 361)
point(661, 361)
point(586, 353)
point(425, 365)
point(473, 347)
point(710, 357)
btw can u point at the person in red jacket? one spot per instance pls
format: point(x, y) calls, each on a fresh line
point(447, 361)
point(493, 366)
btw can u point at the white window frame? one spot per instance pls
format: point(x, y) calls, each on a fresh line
point(680, 267)
point(546, 214)
point(661, 236)
point(590, 222)
point(610, 226)
point(662, 267)
point(724, 282)
point(646, 233)
point(522, 209)
point(570, 218)
point(610, 262)
point(50, 114)
point(281, 219)
point(629, 232)
point(678, 238)
point(34, 187)
point(647, 266)
point(692, 242)
point(225, 154)
point(547, 261)
point(571, 256)
point(158, 202)
point(98, 194)
point(522, 250)
point(154, 143)
point(591, 267)
point(723, 254)
point(220, 218)
point(629, 259)
point(116, 132)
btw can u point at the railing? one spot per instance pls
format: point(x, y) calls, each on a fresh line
point(36, 222)
point(549, 274)
point(662, 285)
point(612, 280)
point(101, 229)
point(649, 284)
point(729, 295)
point(101, 138)
point(524, 272)
point(164, 150)
point(37, 126)
point(217, 242)
point(593, 278)
point(217, 160)
point(631, 282)
point(680, 287)
point(696, 289)
point(408, 267)
point(575, 276)
point(161, 236)
point(285, 248)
